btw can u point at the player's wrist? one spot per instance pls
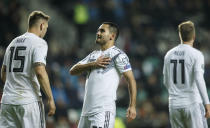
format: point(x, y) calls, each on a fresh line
point(92, 64)
point(132, 106)
point(50, 98)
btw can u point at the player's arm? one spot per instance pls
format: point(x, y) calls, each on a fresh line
point(131, 112)
point(3, 73)
point(39, 61)
point(3, 69)
point(79, 68)
point(43, 79)
point(165, 74)
point(200, 82)
point(202, 86)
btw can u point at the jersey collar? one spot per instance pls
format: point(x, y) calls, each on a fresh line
point(31, 34)
point(108, 49)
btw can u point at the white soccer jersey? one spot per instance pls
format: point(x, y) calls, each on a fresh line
point(102, 83)
point(180, 65)
point(22, 86)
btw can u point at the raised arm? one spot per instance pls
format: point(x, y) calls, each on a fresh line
point(131, 112)
point(101, 62)
point(77, 69)
point(45, 85)
point(3, 73)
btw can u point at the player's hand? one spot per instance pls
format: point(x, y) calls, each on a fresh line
point(131, 114)
point(207, 106)
point(102, 62)
point(52, 107)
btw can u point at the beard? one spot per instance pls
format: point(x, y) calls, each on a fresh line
point(100, 41)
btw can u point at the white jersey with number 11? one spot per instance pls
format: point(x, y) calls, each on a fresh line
point(180, 65)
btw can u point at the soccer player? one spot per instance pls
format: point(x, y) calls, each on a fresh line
point(104, 68)
point(183, 77)
point(23, 72)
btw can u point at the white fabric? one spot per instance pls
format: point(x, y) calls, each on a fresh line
point(192, 116)
point(22, 116)
point(22, 87)
point(185, 91)
point(101, 84)
point(99, 120)
point(202, 87)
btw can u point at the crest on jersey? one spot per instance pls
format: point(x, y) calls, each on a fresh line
point(111, 65)
point(125, 60)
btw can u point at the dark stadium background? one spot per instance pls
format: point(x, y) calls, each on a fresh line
point(148, 28)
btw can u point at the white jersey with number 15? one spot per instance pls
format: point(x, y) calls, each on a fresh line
point(22, 86)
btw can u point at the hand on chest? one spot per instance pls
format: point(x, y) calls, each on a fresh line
point(108, 67)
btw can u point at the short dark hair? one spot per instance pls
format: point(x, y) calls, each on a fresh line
point(35, 16)
point(113, 28)
point(187, 30)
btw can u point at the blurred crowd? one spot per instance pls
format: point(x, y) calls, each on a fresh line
point(148, 29)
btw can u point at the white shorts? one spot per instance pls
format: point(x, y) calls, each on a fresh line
point(22, 116)
point(192, 116)
point(99, 120)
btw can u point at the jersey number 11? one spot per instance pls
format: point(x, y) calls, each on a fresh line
point(181, 61)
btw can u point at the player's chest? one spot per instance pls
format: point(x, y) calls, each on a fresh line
point(95, 56)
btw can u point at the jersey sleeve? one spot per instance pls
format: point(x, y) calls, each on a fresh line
point(4, 61)
point(199, 79)
point(85, 60)
point(165, 75)
point(199, 71)
point(40, 53)
point(122, 63)
point(199, 64)
point(5, 57)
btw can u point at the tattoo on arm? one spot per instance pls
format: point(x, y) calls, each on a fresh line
point(4, 69)
point(38, 64)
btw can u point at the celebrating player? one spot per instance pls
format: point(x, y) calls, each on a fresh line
point(104, 68)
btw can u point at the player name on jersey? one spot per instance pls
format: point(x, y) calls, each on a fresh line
point(179, 53)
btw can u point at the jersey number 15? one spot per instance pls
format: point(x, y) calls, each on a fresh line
point(174, 62)
point(17, 57)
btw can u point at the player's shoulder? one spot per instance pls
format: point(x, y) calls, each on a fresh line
point(117, 50)
point(36, 40)
point(197, 52)
point(40, 44)
point(16, 38)
point(118, 54)
point(40, 41)
point(193, 52)
point(94, 52)
point(13, 42)
point(171, 51)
